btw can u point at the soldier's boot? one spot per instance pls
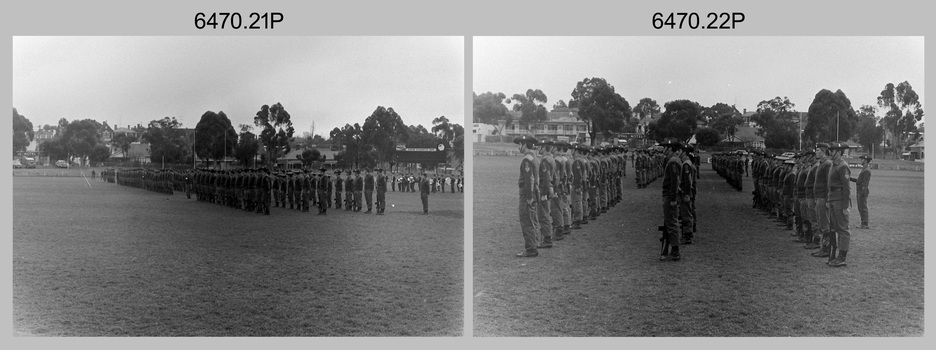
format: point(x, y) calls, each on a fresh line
point(567, 229)
point(839, 260)
point(557, 234)
point(823, 252)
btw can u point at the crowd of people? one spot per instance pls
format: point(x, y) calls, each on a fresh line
point(257, 190)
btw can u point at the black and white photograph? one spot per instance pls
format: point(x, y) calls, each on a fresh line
point(698, 186)
point(238, 186)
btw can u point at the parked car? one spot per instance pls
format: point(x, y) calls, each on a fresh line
point(30, 163)
point(61, 164)
point(17, 164)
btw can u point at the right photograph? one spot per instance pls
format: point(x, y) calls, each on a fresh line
point(698, 186)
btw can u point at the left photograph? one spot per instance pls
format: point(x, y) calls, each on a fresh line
point(238, 186)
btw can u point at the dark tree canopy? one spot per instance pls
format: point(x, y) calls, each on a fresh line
point(869, 133)
point(99, 153)
point(830, 117)
point(247, 147)
point(679, 120)
point(215, 137)
point(777, 123)
point(276, 129)
point(707, 136)
point(309, 156)
point(381, 132)
point(167, 142)
point(723, 118)
point(489, 107)
point(600, 107)
point(80, 137)
point(22, 132)
point(530, 106)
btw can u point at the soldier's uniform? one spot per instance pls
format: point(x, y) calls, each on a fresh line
point(839, 200)
point(349, 191)
point(338, 189)
point(369, 190)
point(529, 225)
point(861, 190)
point(358, 190)
point(381, 192)
point(671, 198)
point(543, 214)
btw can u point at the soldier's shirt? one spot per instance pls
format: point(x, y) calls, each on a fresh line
point(527, 181)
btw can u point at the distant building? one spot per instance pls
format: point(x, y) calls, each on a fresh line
point(561, 124)
point(480, 130)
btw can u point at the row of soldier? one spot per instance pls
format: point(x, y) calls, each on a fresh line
point(408, 183)
point(810, 192)
point(257, 190)
point(680, 173)
point(730, 166)
point(563, 186)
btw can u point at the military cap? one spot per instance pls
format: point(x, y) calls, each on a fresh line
point(866, 157)
point(546, 142)
point(322, 169)
point(789, 161)
point(563, 145)
point(525, 140)
point(337, 171)
point(808, 153)
point(838, 145)
point(690, 148)
point(357, 171)
point(379, 170)
point(822, 145)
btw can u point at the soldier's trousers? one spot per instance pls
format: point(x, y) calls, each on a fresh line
point(306, 197)
point(576, 204)
point(425, 201)
point(603, 196)
point(798, 214)
point(788, 209)
point(322, 204)
point(529, 225)
point(381, 201)
point(592, 201)
point(337, 200)
point(544, 217)
point(686, 218)
point(863, 207)
point(564, 203)
point(556, 212)
point(838, 213)
point(822, 215)
point(357, 200)
point(671, 221)
point(369, 197)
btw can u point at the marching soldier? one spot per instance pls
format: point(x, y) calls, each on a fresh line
point(349, 191)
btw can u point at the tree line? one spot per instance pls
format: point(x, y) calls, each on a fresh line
point(214, 138)
point(830, 116)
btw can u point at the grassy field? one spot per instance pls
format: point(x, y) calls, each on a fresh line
point(742, 276)
point(108, 260)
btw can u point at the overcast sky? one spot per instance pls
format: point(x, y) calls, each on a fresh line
point(329, 80)
point(734, 70)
